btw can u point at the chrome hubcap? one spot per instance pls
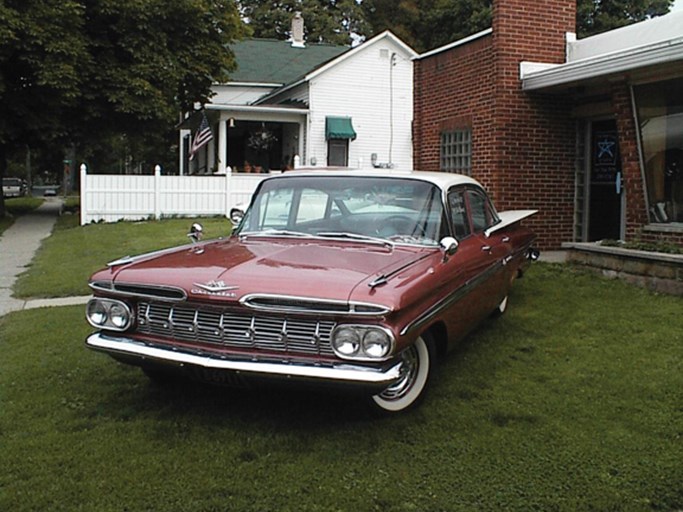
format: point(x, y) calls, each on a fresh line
point(409, 368)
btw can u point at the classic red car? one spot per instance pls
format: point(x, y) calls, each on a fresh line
point(352, 278)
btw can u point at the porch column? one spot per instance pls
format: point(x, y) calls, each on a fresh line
point(210, 156)
point(183, 156)
point(302, 141)
point(222, 145)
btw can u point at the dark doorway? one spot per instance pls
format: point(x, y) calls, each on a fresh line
point(605, 203)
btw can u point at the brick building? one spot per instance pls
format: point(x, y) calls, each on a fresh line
point(589, 132)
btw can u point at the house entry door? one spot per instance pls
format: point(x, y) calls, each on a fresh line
point(606, 195)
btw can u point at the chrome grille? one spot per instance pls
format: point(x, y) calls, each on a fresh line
point(239, 330)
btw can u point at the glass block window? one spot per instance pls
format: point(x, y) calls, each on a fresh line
point(456, 151)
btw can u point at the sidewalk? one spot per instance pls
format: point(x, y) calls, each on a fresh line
point(18, 245)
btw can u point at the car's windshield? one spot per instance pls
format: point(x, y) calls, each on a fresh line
point(398, 210)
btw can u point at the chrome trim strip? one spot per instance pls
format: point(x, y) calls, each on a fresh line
point(125, 260)
point(341, 372)
point(451, 299)
point(183, 294)
point(344, 307)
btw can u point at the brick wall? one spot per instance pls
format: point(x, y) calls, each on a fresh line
point(536, 134)
point(522, 144)
point(453, 90)
point(636, 211)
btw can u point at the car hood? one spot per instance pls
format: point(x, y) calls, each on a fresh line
point(231, 269)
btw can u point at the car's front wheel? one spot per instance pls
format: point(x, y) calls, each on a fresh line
point(415, 372)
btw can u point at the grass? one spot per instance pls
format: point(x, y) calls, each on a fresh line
point(17, 206)
point(66, 260)
point(572, 401)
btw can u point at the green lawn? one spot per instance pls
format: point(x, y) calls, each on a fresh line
point(17, 206)
point(66, 259)
point(572, 401)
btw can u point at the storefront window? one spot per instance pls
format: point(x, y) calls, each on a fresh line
point(660, 118)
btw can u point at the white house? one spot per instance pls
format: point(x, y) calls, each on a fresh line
point(323, 104)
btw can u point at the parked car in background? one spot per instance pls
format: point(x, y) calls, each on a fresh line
point(12, 187)
point(350, 278)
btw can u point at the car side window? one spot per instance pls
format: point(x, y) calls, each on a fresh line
point(483, 214)
point(312, 205)
point(274, 209)
point(458, 213)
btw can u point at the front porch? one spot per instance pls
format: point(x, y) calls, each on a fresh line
point(246, 139)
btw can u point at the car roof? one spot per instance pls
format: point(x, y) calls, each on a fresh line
point(443, 180)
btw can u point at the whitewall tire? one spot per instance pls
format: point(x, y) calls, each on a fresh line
point(502, 307)
point(409, 390)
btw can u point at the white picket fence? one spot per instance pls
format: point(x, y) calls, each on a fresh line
point(109, 198)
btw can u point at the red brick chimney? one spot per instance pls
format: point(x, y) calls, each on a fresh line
point(534, 134)
point(523, 144)
point(533, 30)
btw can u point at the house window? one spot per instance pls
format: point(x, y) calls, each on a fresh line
point(456, 151)
point(338, 152)
point(660, 119)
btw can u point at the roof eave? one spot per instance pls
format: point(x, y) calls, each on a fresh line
point(270, 109)
point(279, 90)
point(604, 65)
point(455, 44)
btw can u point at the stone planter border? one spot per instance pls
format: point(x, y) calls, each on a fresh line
point(656, 271)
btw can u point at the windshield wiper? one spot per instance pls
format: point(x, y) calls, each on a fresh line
point(355, 236)
point(276, 232)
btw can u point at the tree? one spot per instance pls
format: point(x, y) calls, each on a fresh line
point(80, 72)
point(328, 21)
point(595, 16)
point(428, 24)
point(38, 72)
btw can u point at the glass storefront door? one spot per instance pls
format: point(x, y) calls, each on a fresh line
point(605, 203)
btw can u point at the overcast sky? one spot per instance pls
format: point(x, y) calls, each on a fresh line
point(678, 5)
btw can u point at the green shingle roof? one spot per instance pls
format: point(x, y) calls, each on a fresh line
point(277, 62)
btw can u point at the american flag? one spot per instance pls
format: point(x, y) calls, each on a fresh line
point(201, 137)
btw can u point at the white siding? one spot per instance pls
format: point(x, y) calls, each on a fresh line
point(364, 87)
point(238, 94)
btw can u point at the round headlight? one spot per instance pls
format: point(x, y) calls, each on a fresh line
point(346, 341)
point(376, 343)
point(118, 315)
point(97, 313)
point(110, 314)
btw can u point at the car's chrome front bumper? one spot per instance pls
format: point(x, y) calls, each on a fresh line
point(137, 352)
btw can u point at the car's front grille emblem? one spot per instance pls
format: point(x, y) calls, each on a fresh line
point(215, 288)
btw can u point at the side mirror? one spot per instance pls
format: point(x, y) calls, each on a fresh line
point(236, 216)
point(449, 246)
point(196, 232)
